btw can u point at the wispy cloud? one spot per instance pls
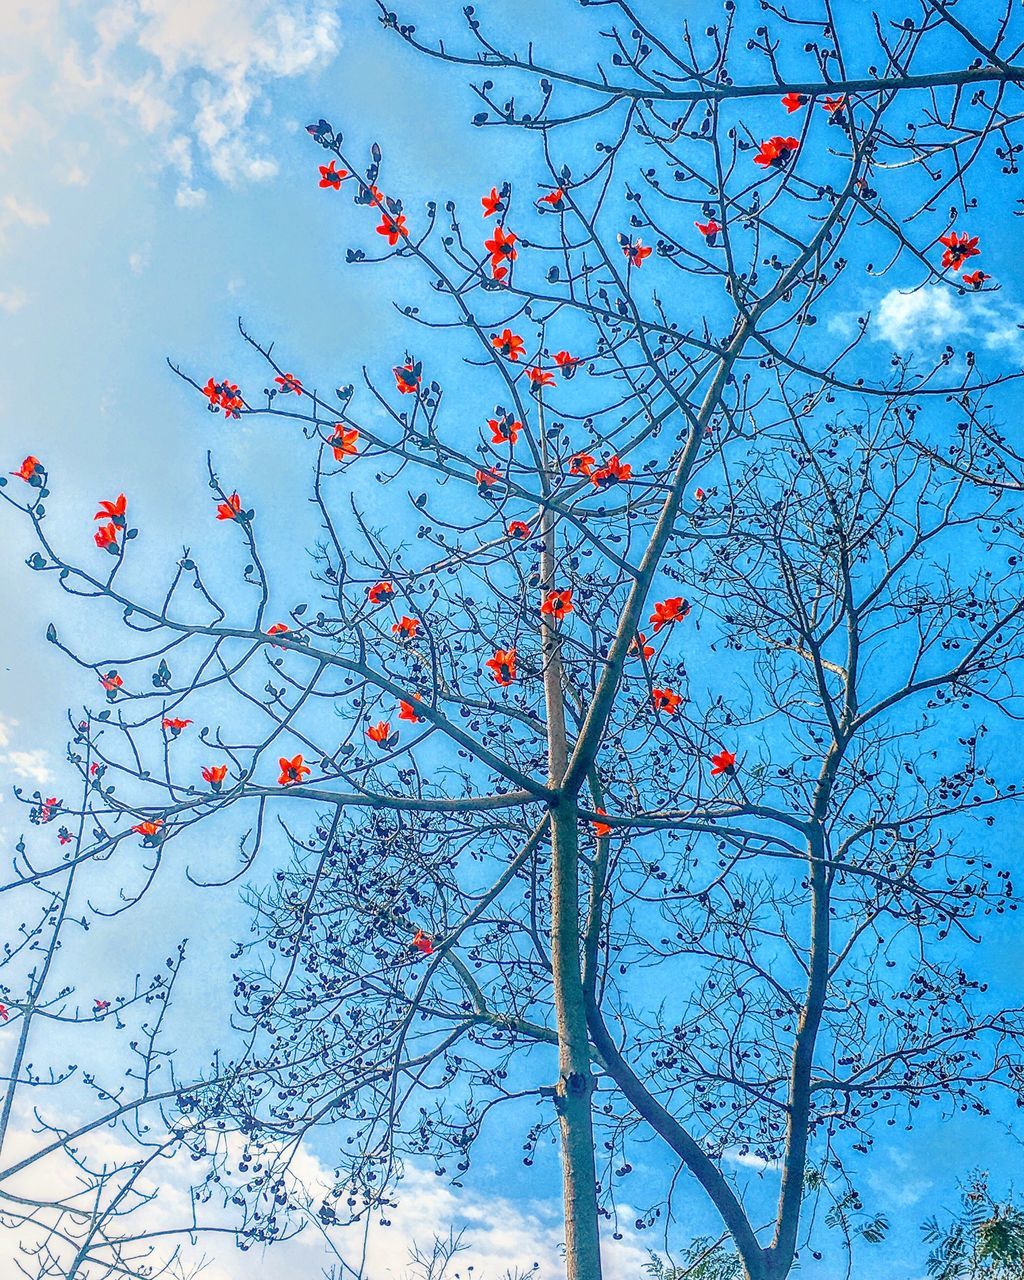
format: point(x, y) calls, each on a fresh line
point(25, 765)
point(934, 315)
point(12, 300)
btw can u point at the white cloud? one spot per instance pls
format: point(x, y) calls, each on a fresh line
point(197, 77)
point(138, 259)
point(24, 212)
point(187, 197)
point(935, 315)
point(31, 765)
point(12, 300)
point(748, 1160)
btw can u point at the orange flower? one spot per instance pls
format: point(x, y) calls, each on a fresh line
point(504, 430)
point(231, 509)
point(665, 611)
point(347, 438)
point(422, 942)
point(486, 479)
point(150, 828)
point(541, 377)
point(278, 629)
point(565, 361)
point(113, 510)
point(776, 151)
point(503, 664)
point(393, 227)
point(635, 250)
point(557, 603)
point(215, 774)
point(174, 726)
point(106, 536)
point(794, 101)
point(581, 464)
point(724, 762)
point(832, 105)
point(407, 377)
point(380, 592)
point(29, 468)
point(406, 711)
point(556, 199)
point(611, 473)
point(601, 828)
point(379, 733)
point(223, 395)
point(494, 203)
point(288, 382)
point(959, 247)
point(666, 700)
point(976, 279)
point(508, 344)
point(292, 770)
point(640, 646)
point(111, 681)
point(406, 627)
point(502, 249)
point(331, 177)
point(519, 529)
point(709, 230)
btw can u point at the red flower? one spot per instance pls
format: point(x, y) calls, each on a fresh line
point(519, 529)
point(493, 203)
point(422, 942)
point(504, 430)
point(640, 646)
point(106, 536)
point(406, 627)
point(150, 828)
point(292, 770)
point(223, 395)
point(666, 700)
point(392, 227)
point(288, 382)
point(111, 681)
point(776, 151)
point(503, 664)
point(557, 603)
point(380, 592)
point(113, 510)
point(215, 774)
point(502, 249)
point(794, 101)
point(724, 762)
point(379, 733)
point(347, 438)
point(230, 509)
point(508, 344)
point(959, 247)
point(486, 479)
point(709, 230)
point(699, 495)
point(581, 464)
point(976, 279)
point(635, 250)
point(278, 629)
point(100, 1006)
point(4, 1015)
point(174, 726)
point(601, 828)
point(46, 809)
point(666, 611)
point(407, 377)
point(611, 473)
point(832, 105)
point(556, 199)
point(541, 377)
point(29, 468)
point(331, 177)
point(406, 711)
point(566, 361)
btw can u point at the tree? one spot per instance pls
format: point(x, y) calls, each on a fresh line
point(506, 793)
point(982, 1240)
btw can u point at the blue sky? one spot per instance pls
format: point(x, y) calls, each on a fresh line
point(156, 185)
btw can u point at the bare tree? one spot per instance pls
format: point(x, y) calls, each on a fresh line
point(646, 739)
